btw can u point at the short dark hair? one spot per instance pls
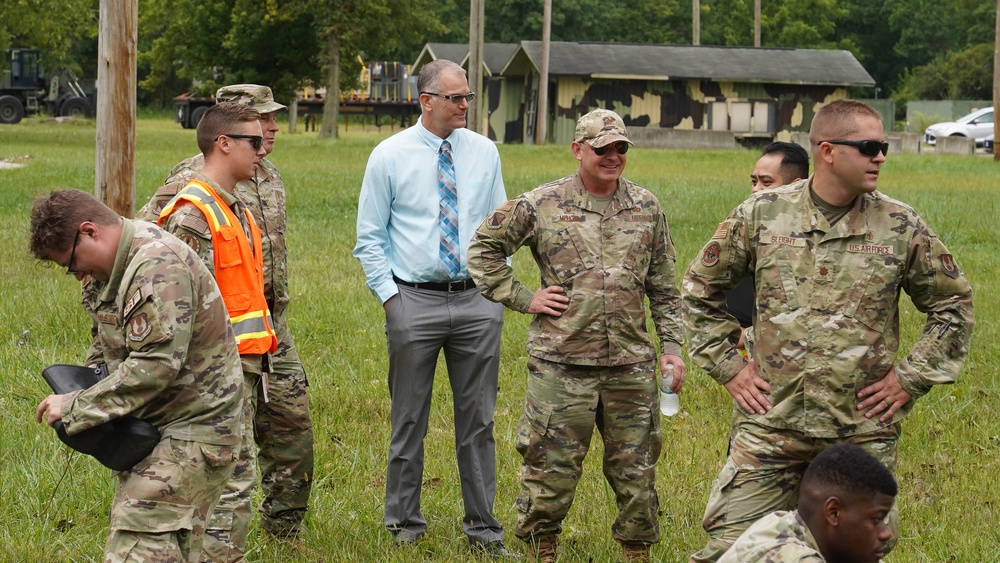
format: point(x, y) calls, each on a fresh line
point(794, 159)
point(849, 468)
point(220, 119)
point(55, 219)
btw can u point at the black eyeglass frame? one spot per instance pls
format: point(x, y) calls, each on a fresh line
point(621, 147)
point(256, 141)
point(453, 98)
point(72, 254)
point(867, 147)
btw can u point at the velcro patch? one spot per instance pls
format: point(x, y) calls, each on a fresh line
point(495, 220)
point(139, 328)
point(869, 249)
point(192, 241)
point(132, 303)
point(722, 230)
point(710, 256)
point(948, 266)
point(196, 223)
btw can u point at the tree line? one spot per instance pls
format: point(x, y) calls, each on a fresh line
point(915, 49)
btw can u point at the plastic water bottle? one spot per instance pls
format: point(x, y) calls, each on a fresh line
point(670, 403)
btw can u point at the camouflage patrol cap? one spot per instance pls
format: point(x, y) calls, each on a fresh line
point(600, 127)
point(258, 97)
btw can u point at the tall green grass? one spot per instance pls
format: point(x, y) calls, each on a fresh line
point(948, 456)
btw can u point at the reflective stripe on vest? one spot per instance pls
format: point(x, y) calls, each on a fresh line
point(239, 272)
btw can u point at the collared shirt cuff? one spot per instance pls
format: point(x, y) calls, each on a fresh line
point(728, 368)
point(385, 291)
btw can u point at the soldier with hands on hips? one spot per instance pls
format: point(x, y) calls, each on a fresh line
point(602, 248)
point(830, 256)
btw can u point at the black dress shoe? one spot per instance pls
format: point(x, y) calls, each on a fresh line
point(496, 550)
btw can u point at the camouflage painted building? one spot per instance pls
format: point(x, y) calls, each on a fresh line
point(753, 92)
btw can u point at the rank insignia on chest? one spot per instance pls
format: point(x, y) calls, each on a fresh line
point(710, 257)
point(139, 328)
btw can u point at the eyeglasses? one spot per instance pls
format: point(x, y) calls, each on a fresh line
point(256, 141)
point(868, 147)
point(454, 98)
point(621, 147)
point(72, 253)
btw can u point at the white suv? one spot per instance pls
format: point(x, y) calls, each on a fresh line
point(977, 125)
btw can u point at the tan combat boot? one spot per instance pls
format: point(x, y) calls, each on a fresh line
point(542, 549)
point(635, 552)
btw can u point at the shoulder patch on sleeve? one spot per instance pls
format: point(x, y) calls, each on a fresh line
point(500, 218)
point(169, 190)
point(196, 223)
point(948, 266)
point(139, 328)
point(133, 302)
point(722, 231)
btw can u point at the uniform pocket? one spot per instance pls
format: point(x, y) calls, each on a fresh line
point(227, 251)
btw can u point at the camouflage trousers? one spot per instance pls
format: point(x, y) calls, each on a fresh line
point(762, 475)
point(229, 524)
point(563, 405)
point(284, 434)
point(161, 505)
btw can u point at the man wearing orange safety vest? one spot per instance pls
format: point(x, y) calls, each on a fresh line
point(211, 220)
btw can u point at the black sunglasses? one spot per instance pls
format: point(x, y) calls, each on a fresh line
point(867, 148)
point(454, 98)
point(621, 147)
point(256, 141)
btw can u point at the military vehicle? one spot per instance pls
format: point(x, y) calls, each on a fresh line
point(26, 90)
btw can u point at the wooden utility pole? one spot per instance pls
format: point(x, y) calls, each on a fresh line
point(476, 23)
point(756, 23)
point(116, 94)
point(696, 22)
point(542, 114)
point(996, 88)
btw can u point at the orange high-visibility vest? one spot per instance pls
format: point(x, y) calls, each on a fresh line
point(238, 272)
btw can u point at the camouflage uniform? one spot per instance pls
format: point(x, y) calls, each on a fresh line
point(596, 363)
point(827, 326)
point(161, 328)
point(229, 525)
point(780, 537)
point(282, 425)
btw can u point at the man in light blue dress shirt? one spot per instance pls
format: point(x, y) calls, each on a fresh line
point(429, 308)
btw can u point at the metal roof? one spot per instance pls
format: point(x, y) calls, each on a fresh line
point(689, 62)
point(495, 55)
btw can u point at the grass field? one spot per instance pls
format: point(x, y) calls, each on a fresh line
point(949, 456)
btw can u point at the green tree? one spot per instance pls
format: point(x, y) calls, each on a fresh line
point(60, 29)
point(955, 75)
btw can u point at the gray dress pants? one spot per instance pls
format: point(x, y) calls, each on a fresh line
point(467, 326)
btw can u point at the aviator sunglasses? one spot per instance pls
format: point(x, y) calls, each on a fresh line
point(621, 147)
point(868, 147)
point(256, 141)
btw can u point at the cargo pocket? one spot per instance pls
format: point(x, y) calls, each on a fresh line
point(530, 441)
point(149, 516)
point(717, 509)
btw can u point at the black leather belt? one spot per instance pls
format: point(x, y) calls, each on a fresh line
point(456, 285)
